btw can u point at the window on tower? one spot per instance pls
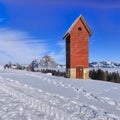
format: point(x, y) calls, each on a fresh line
point(79, 28)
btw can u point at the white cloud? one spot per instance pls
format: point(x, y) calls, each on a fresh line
point(19, 47)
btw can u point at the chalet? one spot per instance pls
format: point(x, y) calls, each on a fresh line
point(77, 49)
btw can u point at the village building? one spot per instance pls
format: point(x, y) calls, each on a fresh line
point(77, 49)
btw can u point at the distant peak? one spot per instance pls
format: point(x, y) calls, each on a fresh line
point(48, 61)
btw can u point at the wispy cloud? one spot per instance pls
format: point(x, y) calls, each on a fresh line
point(20, 47)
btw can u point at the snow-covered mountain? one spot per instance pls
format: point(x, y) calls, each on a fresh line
point(104, 64)
point(48, 62)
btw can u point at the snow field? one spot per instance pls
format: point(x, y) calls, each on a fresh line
point(35, 104)
point(80, 91)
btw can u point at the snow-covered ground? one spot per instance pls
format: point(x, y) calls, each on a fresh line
point(36, 96)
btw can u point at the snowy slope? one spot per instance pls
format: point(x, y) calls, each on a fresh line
point(36, 96)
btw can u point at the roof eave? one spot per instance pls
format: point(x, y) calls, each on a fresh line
point(86, 25)
point(66, 35)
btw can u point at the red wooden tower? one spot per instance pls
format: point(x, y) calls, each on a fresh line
point(77, 49)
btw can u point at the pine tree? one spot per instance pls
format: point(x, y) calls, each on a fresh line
point(100, 74)
point(106, 76)
point(94, 74)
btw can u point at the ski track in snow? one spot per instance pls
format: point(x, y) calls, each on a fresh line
point(22, 102)
point(81, 91)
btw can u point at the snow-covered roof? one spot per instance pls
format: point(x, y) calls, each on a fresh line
point(84, 22)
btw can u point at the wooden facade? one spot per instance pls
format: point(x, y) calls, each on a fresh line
point(77, 49)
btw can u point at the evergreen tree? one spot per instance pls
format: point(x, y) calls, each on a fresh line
point(100, 74)
point(94, 74)
point(104, 75)
point(90, 73)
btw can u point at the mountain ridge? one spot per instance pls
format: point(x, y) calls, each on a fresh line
point(48, 62)
point(104, 64)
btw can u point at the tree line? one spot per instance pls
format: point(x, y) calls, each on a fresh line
point(54, 72)
point(104, 75)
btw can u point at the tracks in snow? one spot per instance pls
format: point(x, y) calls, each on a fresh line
point(79, 91)
point(53, 106)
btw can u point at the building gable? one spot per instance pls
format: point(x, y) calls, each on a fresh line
point(74, 23)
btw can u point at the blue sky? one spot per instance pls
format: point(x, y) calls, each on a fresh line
point(33, 28)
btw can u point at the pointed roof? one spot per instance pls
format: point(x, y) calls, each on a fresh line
point(85, 24)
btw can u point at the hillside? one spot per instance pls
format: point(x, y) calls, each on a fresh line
point(36, 96)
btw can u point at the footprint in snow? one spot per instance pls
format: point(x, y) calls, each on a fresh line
point(70, 85)
point(61, 84)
